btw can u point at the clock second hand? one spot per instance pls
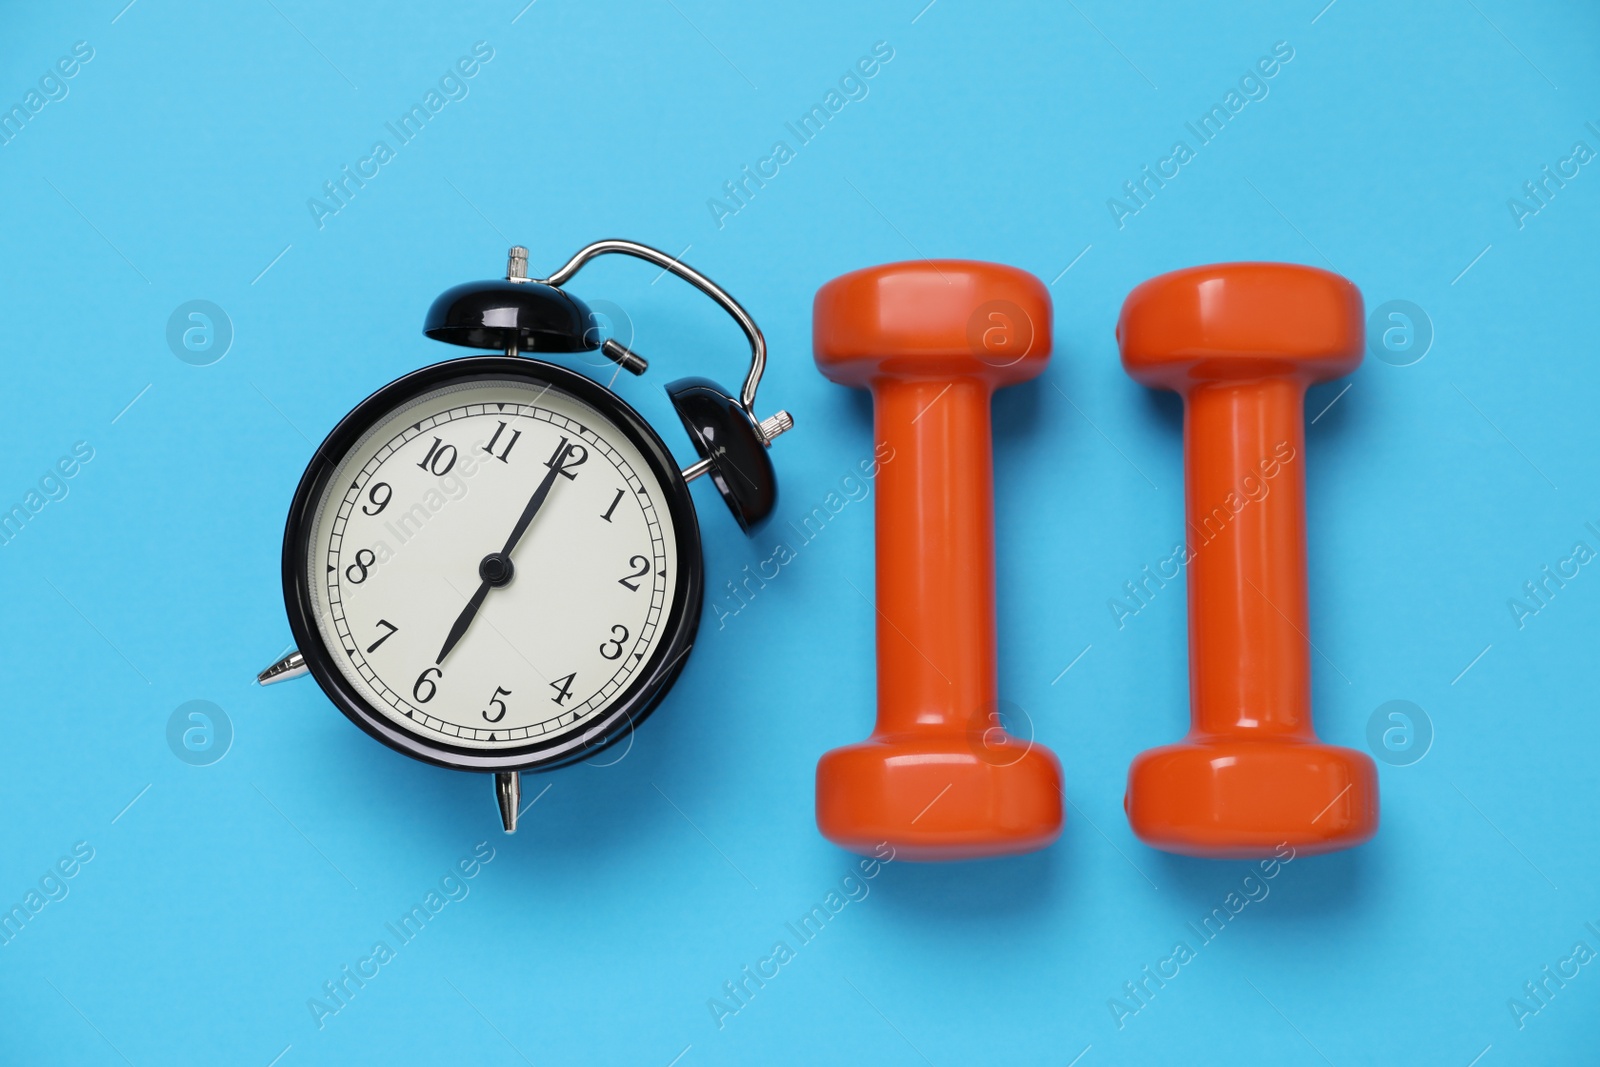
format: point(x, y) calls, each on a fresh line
point(468, 613)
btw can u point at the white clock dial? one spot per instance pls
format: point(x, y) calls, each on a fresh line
point(408, 517)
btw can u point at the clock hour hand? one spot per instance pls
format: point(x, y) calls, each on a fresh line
point(496, 567)
point(463, 621)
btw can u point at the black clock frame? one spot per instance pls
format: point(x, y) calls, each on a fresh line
point(649, 685)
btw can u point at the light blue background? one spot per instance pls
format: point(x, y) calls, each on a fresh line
point(179, 167)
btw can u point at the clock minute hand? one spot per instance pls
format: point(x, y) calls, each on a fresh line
point(470, 612)
point(535, 502)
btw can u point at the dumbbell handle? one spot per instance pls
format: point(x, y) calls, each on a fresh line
point(1249, 646)
point(935, 555)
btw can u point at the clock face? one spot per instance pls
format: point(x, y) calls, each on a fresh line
point(500, 564)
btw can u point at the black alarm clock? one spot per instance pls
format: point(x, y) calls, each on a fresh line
point(493, 563)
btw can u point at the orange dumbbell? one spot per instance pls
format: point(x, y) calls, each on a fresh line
point(940, 778)
point(1241, 342)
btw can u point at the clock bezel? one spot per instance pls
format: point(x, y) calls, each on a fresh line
point(649, 685)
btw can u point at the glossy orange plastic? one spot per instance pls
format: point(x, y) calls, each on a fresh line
point(1241, 342)
point(940, 778)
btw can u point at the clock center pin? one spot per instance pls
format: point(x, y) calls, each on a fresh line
point(497, 569)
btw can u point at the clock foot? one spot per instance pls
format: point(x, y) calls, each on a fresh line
point(508, 792)
point(291, 666)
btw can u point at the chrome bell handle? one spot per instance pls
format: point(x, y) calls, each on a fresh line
point(771, 427)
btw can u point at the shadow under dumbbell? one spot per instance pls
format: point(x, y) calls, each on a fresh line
point(1007, 887)
point(1328, 410)
point(1307, 888)
point(1015, 414)
point(1164, 410)
point(858, 402)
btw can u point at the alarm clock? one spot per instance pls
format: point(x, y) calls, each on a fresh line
point(493, 563)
